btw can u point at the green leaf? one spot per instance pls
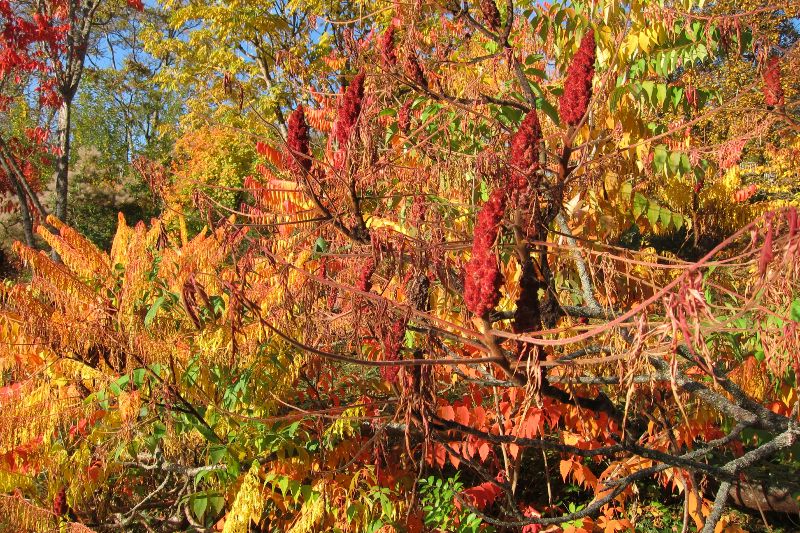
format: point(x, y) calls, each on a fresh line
point(625, 190)
point(206, 432)
point(686, 164)
point(511, 114)
point(639, 204)
point(216, 502)
point(537, 72)
point(117, 386)
point(548, 109)
point(665, 216)
point(320, 246)
point(199, 504)
point(660, 156)
point(677, 220)
point(217, 452)
point(674, 162)
point(137, 377)
point(653, 213)
point(375, 526)
point(429, 111)
point(794, 312)
point(661, 94)
point(151, 314)
point(351, 511)
point(676, 96)
point(532, 58)
point(294, 488)
point(648, 87)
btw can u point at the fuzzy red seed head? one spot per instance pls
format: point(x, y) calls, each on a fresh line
point(419, 209)
point(404, 116)
point(60, 502)
point(773, 91)
point(392, 342)
point(388, 54)
point(482, 277)
point(578, 85)
point(299, 158)
point(349, 109)
point(524, 155)
point(490, 14)
point(482, 282)
point(489, 218)
point(414, 71)
point(364, 283)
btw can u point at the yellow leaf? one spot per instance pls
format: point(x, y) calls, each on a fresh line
point(644, 42)
point(248, 503)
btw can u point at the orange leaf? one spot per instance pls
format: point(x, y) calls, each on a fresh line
point(272, 155)
point(564, 468)
point(533, 424)
point(483, 450)
point(447, 412)
point(439, 455)
point(479, 417)
point(462, 415)
point(455, 460)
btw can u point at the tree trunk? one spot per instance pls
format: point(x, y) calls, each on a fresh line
point(62, 164)
point(27, 220)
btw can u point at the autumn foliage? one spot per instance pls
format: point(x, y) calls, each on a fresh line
point(492, 269)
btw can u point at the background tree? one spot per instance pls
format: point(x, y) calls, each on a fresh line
point(22, 136)
point(120, 116)
point(68, 29)
point(245, 64)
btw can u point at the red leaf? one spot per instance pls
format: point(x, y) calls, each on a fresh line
point(9, 392)
point(477, 398)
point(470, 447)
point(93, 472)
point(437, 455)
point(414, 522)
point(483, 495)
point(530, 512)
